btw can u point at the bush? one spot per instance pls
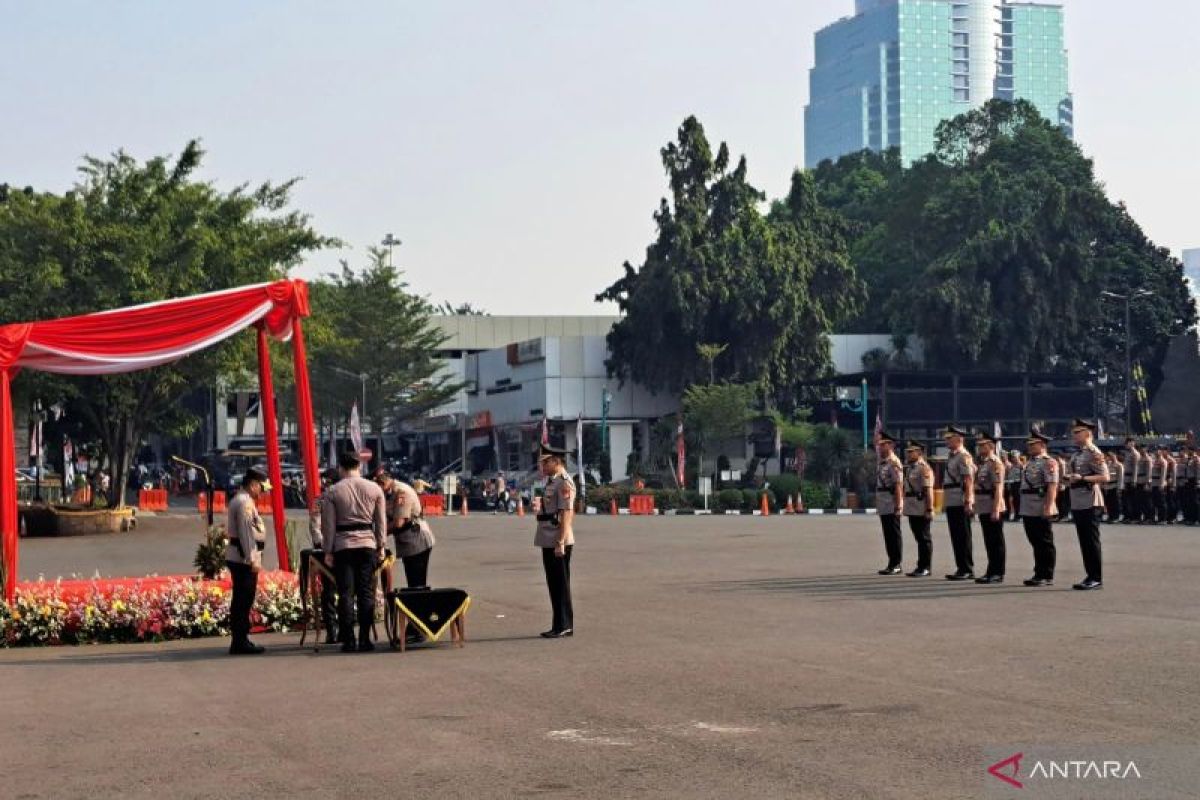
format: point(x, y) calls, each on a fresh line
point(818, 495)
point(750, 499)
point(783, 487)
point(729, 500)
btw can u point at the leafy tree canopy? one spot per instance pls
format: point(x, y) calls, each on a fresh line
point(770, 286)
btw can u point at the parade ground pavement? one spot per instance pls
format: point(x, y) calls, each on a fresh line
point(713, 657)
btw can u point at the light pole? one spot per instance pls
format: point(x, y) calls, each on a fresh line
point(389, 242)
point(1127, 299)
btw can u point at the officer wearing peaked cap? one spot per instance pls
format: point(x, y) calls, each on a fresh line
point(1039, 489)
point(556, 537)
point(918, 505)
point(959, 494)
point(990, 506)
point(243, 555)
point(889, 501)
point(1087, 477)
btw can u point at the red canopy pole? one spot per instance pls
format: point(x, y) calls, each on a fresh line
point(10, 522)
point(266, 399)
point(306, 433)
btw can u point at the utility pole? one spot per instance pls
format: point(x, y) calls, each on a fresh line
point(1127, 299)
point(389, 242)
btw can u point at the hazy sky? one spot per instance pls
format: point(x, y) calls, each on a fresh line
point(513, 146)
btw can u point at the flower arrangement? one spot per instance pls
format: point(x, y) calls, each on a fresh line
point(45, 613)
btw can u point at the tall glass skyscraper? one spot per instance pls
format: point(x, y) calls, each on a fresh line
point(888, 75)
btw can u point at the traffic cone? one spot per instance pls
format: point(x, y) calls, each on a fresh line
point(790, 509)
point(466, 512)
point(612, 506)
point(799, 502)
point(764, 506)
point(520, 506)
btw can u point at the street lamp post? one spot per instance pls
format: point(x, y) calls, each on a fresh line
point(1127, 299)
point(389, 242)
point(362, 376)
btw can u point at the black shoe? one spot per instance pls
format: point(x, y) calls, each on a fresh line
point(1039, 582)
point(245, 649)
point(919, 573)
point(890, 571)
point(553, 634)
point(349, 647)
point(961, 576)
point(990, 579)
point(366, 646)
point(1088, 584)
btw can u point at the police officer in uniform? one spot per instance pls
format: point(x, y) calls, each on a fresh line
point(354, 530)
point(410, 531)
point(328, 587)
point(959, 500)
point(1088, 472)
point(1012, 484)
point(1172, 488)
point(990, 506)
point(1146, 488)
point(555, 536)
point(1133, 466)
point(918, 505)
point(889, 502)
point(1039, 489)
point(1112, 490)
point(1189, 494)
point(243, 555)
point(1158, 487)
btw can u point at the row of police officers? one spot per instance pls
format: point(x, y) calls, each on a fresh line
point(975, 489)
point(1158, 485)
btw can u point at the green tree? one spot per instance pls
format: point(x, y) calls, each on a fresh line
point(132, 232)
point(377, 328)
point(722, 271)
point(713, 413)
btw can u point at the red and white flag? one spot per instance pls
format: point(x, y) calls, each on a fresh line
point(878, 426)
point(680, 453)
point(545, 431)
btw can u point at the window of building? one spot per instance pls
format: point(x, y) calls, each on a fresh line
point(962, 95)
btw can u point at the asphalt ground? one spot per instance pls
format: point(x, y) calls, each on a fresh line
point(714, 657)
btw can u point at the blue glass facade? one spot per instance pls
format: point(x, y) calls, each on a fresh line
point(888, 75)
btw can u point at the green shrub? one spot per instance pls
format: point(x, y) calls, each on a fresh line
point(729, 499)
point(783, 487)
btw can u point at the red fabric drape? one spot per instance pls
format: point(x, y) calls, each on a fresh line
point(149, 335)
point(306, 433)
point(9, 521)
point(266, 401)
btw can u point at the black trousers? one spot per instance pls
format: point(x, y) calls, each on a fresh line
point(245, 586)
point(1158, 501)
point(416, 569)
point(1112, 504)
point(355, 571)
point(920, 531)
point(329, 610)
point(1087, 527)
point(993, 542)
point(893, 540)
point(1040, 533)
point(1188, 497)
point(1129, 504)
point(1172, 503)
point(558, 582)
point(1145, 504)
point(960, 538)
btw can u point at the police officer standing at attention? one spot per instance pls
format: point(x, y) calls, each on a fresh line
point(1130, 501)
point(1088, 472)
point(354, 530)
point(959, 499)
point(328, 589)
point(990, 506)
point(889, 502)
point(243, 555)
point(918, 505)
point(1039, 489)
point(1190, 474)
point(1112, 491)
point(556, 537)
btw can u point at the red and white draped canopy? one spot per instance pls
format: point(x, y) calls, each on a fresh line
point(129, 339)
point(150, 335)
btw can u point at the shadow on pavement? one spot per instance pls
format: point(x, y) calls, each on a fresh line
point(873, 587)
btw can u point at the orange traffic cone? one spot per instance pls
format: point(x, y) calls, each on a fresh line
point(765, 507)
point(612, 506)
point(520, 506)
point(790, 509)
point(799, 502)
point(466, 512)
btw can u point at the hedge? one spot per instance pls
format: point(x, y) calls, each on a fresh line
point(816, 495)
